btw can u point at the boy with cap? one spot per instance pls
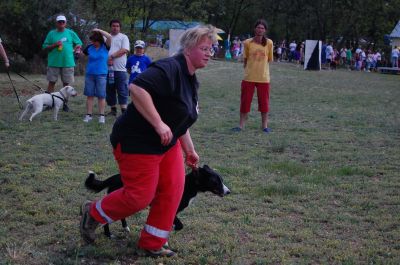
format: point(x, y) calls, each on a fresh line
point(61, 43)
point(138, 62)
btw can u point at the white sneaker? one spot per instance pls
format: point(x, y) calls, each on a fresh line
point(87, 118)
point(102, 119)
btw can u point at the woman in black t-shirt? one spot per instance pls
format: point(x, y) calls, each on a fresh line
point(148, 140)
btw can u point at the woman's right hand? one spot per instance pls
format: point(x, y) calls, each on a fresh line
point(165, 133)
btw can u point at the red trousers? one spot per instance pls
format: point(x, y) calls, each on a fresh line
point(247, 93)
point(155, 179)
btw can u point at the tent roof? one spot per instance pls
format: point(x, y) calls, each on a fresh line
point(396, 31)
point(168, 24)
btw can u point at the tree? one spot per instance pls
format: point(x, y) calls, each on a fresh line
point(24, 23)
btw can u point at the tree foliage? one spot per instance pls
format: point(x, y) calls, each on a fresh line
point(25, 23)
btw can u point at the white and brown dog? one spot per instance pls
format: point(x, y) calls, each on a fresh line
point(55, 100)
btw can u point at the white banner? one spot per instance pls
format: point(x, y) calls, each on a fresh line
point(174, 36)
point(312, 57)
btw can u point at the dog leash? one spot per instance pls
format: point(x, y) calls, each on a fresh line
point(15, 90)
point(41, 89)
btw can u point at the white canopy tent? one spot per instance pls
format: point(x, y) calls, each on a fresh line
point(395, 35)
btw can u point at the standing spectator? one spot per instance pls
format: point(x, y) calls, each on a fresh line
point(343, 52)
point(216, 48)
point(148, 140)
point(61, 43)
point(369, 62)
point(96, 73)
point(377, 60)
point(166, 44)
point(279, 53)
point(335, 59)
point(116, 81)
point(138, 62)
point(297, 54)
point(159, 40)
point(363, 57)
point(329, 55)
point(241, 47)
point(349, 57)
point(292, 49)
point(302, 52)
point(3, 54)
point(323, 53)
point(258, 52)
point(284, 50)
point(236, 47)
point(357, 59)
point(395, 57)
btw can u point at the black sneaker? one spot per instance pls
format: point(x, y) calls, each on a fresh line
point(66, 108)
point(236, 129)
point(88, 224)
point(113, 112)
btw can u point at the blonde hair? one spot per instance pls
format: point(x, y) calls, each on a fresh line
point(191, 37)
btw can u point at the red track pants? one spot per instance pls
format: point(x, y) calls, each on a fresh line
point(155, 179)
point(247, 92)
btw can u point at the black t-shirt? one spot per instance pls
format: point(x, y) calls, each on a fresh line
point(174, 94)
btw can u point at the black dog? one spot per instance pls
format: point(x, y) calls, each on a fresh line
point(201, 180)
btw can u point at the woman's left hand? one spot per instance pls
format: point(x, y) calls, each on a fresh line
point(192, 159)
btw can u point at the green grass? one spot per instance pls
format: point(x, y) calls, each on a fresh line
point(322, 188)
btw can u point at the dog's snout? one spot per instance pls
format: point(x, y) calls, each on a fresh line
point(226, 190)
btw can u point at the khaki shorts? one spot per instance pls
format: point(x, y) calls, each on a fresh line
point(67, 74)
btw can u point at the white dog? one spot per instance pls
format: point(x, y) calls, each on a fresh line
point(54, 100)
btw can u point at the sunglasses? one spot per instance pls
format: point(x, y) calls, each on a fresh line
point(61, 22)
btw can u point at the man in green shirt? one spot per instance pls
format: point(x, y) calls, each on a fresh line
point(61, 43)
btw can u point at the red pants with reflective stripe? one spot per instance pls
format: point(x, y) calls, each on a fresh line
point(247, 93)
point(155, 179)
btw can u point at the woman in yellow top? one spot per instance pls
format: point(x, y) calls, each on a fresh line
point(258, 52)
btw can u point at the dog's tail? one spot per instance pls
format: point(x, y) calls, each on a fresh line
point(94, 184)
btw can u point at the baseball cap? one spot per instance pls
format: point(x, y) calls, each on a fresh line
point(61, 18)
point(140, 44)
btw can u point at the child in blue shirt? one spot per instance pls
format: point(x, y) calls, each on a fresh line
point(138, 62)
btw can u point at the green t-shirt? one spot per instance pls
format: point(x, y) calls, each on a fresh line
point(63, 57)
point(348, 54)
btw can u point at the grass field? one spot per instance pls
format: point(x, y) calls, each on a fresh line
point(322, 188)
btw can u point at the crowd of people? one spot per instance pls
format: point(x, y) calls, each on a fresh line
point(358, 59)
point(332, 57)
point(106, 69)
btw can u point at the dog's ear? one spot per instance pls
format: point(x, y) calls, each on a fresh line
point(196, 171)
point(206, 167)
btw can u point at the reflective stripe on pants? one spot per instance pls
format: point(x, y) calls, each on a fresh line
point(155, 179)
